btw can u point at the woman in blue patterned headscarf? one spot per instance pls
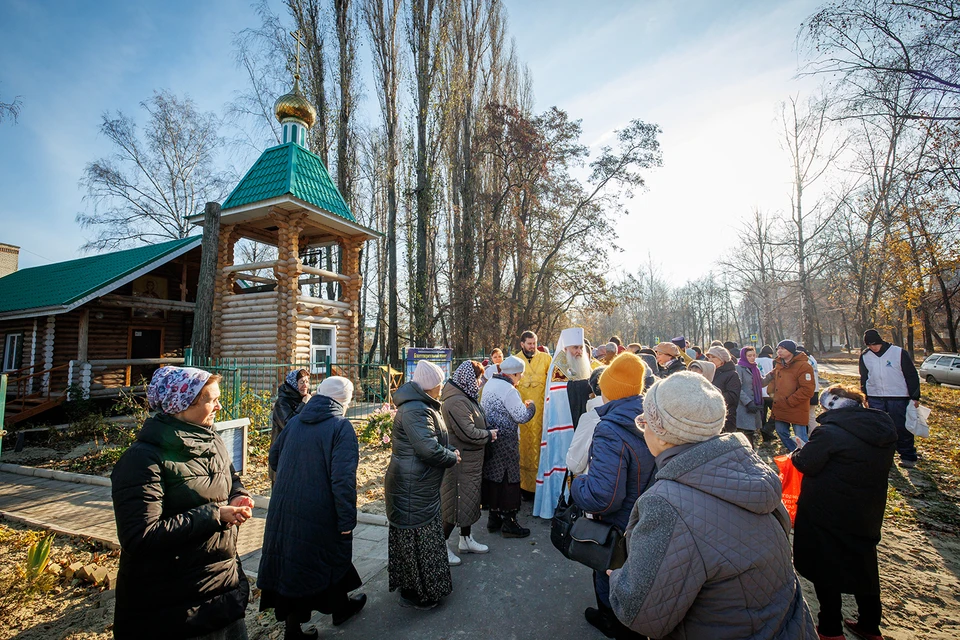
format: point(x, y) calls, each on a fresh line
point(291, 397)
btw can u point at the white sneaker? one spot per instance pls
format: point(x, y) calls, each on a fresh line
point(469, 545)
point(452, 558)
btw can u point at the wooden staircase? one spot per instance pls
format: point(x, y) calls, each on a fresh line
point(20, 409)
point(22, 405)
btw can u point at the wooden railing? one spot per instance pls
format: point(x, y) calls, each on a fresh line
point(22, 384)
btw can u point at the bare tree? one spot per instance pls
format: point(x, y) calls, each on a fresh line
point(426, 35)
point(347, 50)
point(813, 150)
point(11, 109)
point(912, 43)
point(382, 18)
point(145, 191)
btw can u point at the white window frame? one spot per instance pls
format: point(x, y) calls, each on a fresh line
point(315, 366)
point(9, 354)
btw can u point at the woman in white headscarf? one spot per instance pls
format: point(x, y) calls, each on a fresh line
point(306, 563)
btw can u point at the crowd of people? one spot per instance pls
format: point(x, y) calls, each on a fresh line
point(657, 441)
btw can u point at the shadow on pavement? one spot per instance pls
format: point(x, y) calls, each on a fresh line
point(521, 589)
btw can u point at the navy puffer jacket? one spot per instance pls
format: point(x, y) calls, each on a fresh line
point(621, 465)
point(314, 500)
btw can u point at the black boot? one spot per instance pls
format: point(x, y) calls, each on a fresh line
point(293, 631)
point(527, 496)
point(353, 606)
point(599, 619)
point(511, 528)
point(494, 521)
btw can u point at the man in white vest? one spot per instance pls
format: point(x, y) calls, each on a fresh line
point(890, 380)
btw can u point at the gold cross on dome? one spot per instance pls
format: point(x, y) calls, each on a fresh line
point(298, 37)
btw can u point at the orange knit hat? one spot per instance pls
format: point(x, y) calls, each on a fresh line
point(623, 377)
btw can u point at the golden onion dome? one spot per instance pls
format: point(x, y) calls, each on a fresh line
point(295, 105)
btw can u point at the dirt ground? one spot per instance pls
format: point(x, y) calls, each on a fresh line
point(70, 609)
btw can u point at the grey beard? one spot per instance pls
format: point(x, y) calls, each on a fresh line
point(578, 368)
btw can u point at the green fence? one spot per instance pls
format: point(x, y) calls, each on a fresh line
point(250, 384)
point(3, 407)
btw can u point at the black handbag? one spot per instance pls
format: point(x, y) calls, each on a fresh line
point(564, 516)
point(596, 544)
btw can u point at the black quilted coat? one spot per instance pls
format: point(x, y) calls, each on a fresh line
point(842, 498)
point(727, 380)
point(468, 432)
point(314, 500)
point(421, 452)
point(179, 574)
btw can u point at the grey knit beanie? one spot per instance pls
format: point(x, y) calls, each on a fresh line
point(428, 375)
point(684, 407)
point(721, 352)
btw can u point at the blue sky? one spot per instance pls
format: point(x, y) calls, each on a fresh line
point(710, 75)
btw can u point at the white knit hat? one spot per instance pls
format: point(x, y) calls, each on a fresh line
point(684, 407)
point(513, 364)
point(338, 388)
point(428, 375)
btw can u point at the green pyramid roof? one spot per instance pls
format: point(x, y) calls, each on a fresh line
point(289, 169)
point(64, 283)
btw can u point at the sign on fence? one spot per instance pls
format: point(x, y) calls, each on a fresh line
point(234, 436)
point(443, 358)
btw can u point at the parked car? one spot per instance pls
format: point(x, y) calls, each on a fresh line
point(941, 368)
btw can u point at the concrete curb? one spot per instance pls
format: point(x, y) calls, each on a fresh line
point(53, 474)
point(37, 524)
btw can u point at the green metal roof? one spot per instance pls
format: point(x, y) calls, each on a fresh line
point(289, 169)
point(63, 283)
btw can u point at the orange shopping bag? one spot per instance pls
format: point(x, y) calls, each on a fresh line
point(790, 478)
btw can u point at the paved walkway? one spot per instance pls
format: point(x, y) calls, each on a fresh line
point(87, 510)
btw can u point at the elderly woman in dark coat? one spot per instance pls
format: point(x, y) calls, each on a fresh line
point(292, 395)
point(468, 432)
point(417, 564)
point(306, 563)
point(840, 509)
point(727, 380)
point(178, 502)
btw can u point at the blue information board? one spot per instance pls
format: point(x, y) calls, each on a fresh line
point(443, 358)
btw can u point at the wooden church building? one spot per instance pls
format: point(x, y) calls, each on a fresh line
point(288, 200)
point(104, 322)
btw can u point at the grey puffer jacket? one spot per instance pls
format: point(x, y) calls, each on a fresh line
point(708, 553)
point(421, 452)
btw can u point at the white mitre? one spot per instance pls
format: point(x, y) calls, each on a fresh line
point(570, 337)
